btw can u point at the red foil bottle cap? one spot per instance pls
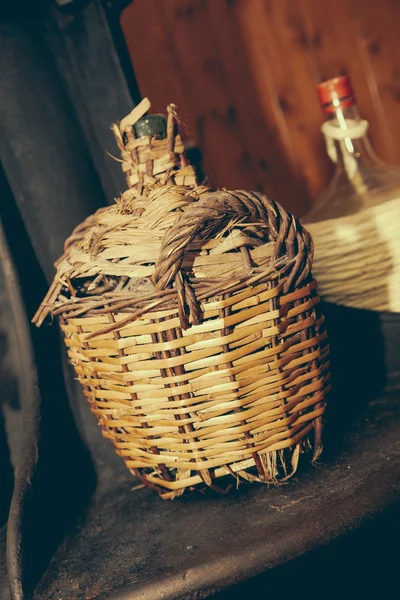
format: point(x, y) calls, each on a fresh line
point(336, 93)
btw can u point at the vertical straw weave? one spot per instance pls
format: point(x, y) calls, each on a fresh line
point(191, 318)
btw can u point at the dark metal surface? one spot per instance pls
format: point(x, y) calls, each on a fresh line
point(4, 586)
point(61, 78)
point(62, 86)
point(54, 476)
point(133, 545)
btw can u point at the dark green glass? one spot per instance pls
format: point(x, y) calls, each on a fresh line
point(152, 126)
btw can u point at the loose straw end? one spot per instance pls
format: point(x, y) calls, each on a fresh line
point(137, 113)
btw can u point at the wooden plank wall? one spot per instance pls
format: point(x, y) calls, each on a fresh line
point(242, 73)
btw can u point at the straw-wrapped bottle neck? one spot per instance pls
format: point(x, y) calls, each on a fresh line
point(143, 141)
point(152, 151)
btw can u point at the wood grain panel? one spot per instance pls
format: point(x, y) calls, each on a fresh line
point(266, 136)
point(215, 125)
point(243, 73)
point(332, 32)
point(284, 55)
point(152, 59)
point(378, 31)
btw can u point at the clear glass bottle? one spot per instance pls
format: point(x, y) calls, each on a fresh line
point(361, 179)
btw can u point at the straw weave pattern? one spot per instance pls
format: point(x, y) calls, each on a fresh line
point(191, 318)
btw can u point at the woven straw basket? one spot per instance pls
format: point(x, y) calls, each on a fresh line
point(191, 318)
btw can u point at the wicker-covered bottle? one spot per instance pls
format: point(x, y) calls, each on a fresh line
point(191, 318)
point(356, 221)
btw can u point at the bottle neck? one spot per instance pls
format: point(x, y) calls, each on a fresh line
point(153, 157)
point(362, 180)
point(347, 140)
